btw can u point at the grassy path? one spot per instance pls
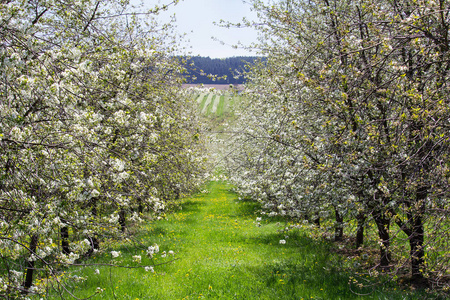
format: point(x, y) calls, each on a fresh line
point(221, 253)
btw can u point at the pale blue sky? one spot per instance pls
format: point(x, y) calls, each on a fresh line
point(196, 17)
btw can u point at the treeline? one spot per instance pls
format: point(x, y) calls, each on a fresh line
point(348, 119)
point(95, 134)
point(208, 70)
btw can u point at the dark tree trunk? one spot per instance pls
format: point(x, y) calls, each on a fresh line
point(361, 218)
point(414, 229)
point(306, 217)
point(122, 220)
point(30, 265)
point(95, 244)
point(417, 253)
point(317, 220)
point(65, 240)
point(416, 239)
point(383, 223)
point(140, 207)
point(339, 229)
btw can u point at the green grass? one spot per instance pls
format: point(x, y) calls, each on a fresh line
point(206, 105)
point(203, 102)
point(221, 253)
point(215, 106)
point(211, 105)
point(221, 106)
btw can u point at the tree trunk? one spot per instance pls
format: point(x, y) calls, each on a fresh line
point(417, 253)
point(414, 229)
point(361, 218)
point(95, 244)
point(30, 265)
point(141, 206)
point(339, 229)
point(65, 240)
point(383, 233)
point(317, 220)
point(416, 238)
point(122, 220)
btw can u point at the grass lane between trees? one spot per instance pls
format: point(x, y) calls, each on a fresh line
point(221, 252)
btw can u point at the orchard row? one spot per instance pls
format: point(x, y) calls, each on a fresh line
point(94, 131)
point(348, 118)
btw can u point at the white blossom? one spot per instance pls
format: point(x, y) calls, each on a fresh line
point(149, 269)
point(115, 254)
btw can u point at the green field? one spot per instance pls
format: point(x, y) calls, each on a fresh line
point(215, 105)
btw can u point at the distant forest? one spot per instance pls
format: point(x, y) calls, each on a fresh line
point(200, 67)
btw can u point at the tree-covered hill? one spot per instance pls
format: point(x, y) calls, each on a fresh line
point(226, 70)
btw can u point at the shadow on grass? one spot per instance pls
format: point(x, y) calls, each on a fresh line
point(291, 279)
point(246, 208)
point(315, 272)
point(192, 206)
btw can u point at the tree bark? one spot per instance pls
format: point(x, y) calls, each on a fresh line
point(339, 229)
point(141, 206)
point(122, 219)
point(417, 253)
point(316, 220)
point(28, 282)
point(95, 244)
point(361, 218)
point(416, 239)
point(414, 229)
point(383, 223)
point(65, 240)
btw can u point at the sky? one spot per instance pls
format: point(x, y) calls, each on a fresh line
point(196, 18)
